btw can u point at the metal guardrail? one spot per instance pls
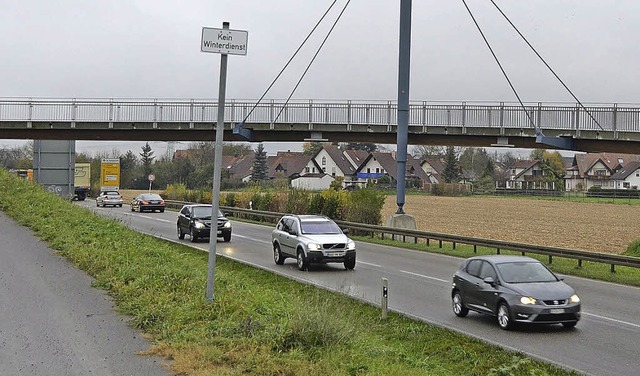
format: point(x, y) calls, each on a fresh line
point(499, 245)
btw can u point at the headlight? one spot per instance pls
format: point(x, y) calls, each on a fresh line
point(351, 244)
point(574, 299)
point(527, 300)
point(313, 246)
point(227, 225)
point(198, 224)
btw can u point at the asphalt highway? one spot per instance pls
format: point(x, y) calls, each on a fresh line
point(53, 322)
point(605, 342)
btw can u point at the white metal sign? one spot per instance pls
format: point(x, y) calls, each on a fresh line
point(224, 41)
point(152, 177)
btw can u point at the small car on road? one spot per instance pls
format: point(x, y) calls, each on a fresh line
point(195, 220)
point(109, 198)
point(312, 239)
point(514, 289)
point(148, 202)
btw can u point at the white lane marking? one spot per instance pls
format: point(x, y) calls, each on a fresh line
point(155, 218)
point(424, 276)
point(370, 264)
point(611, 319)
point(252, 238)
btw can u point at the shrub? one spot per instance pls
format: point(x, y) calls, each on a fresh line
point(365, 206)
point(336, 185)
point(437, 189)
point(230, 199)
point(316, 204)
point(334, 202)
point(297, 201)
point(633, 249)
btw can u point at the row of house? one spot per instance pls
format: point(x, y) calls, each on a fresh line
point(355, 168)
point(582, 171)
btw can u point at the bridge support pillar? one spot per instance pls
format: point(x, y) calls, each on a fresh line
point(402, 221)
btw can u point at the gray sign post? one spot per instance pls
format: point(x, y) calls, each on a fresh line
point(54, 166)
point(222, 41)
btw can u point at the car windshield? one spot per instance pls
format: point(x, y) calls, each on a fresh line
point(110, 193)
point(320, 227)
point(204, 212)
point(525, 272)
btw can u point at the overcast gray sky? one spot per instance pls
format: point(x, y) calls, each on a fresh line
point(151, 49)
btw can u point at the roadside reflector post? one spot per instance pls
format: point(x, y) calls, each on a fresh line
point(385, 298)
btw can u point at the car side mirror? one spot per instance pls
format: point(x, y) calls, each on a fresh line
point(490, 281)
point(345, 231)
point(293, 232)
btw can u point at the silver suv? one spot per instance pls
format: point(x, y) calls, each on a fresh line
point(312, 239)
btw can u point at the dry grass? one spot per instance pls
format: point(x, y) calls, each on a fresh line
point(595, 227)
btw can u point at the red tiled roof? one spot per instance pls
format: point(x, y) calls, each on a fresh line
point(287, 163)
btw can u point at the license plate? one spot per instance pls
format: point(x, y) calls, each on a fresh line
point(334, 254)
point(556, 310)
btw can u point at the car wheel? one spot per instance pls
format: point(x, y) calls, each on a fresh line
point(226, 237)
point(569, 324)
point(504, 317)
point(97, 204)
point(193, 235)
point(349, 264)
point(132, 208)
point(180, 233)
point(458, 305)
point(303, 264)
point(277, 255)
point(120, 205)
point(161, 210)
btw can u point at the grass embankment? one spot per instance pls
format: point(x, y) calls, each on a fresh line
point(259, 323)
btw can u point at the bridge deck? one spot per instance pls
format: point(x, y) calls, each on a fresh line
point(594, 128)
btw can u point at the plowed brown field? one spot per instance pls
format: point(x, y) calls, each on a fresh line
point(596, 227)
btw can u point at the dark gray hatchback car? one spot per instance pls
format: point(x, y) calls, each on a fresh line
point(195, 220)
point(515, 289)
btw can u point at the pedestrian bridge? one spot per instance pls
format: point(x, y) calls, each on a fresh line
point(594, 128)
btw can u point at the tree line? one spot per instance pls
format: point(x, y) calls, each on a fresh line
point(194, 169)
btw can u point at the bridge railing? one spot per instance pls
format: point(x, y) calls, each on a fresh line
point(546, 116)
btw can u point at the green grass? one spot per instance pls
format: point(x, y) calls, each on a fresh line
point(259, 323)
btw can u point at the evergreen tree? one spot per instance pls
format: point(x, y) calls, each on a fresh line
point(146, 158)
point(451, 172)
point(260, 168)
point(128, 163)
